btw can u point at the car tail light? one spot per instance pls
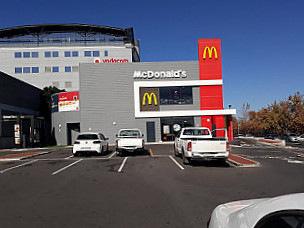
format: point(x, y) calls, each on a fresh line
point(97, 142)
point(227, 147)
point(116, 142)
point(76, 142)
point(143, 142)
point(189, 147)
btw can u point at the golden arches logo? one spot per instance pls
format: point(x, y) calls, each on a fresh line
point(210, 52)
point(149, 96)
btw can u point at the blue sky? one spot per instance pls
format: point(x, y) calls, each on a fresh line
point(262, 40)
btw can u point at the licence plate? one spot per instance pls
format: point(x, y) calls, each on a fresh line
point(85, 148)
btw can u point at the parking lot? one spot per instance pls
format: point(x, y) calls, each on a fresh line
point(149, 189)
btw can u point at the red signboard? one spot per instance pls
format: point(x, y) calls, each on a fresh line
point(210, 68)
point(68, 101)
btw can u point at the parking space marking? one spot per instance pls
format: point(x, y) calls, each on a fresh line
point(151, 153)
point(2, 171)
point(122, 164)
point(182, 168)
point(69, 157)
point(112, 154)
point(58, 171)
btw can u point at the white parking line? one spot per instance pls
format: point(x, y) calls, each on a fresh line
point(2, 171)
point(69, 157)
point(58, 171)
point(182, 168)
point(112, 154)
point(122, 165)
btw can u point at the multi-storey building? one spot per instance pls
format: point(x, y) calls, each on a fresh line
point(49, 54)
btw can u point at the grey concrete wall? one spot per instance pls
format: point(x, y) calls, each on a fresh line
point(59, 124)
point(107, 95)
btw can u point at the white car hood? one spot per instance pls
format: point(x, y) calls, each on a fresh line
point(246, 213)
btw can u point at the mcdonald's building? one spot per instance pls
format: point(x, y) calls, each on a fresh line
point(157, 97)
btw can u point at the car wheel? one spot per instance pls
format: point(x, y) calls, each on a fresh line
point(186, 161)
point(107, 150)
point(176, 154)
point(222, 160)
point(76, 154)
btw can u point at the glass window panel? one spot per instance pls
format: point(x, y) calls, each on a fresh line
point(68, 69)
point(48, 69)
point(68, 84)
point(26, 55)
point(67, 54)
point(75, 69)
point(26, 70)
point(55, 54)
point(87, 53)
point(175, 95)
point(35, 54)
point(47, 54)
point(18, 55)
point(18, 70)
point(56, 84)
point(75, 53)
point(55, 69)
point(96, 53)
point(35, 69)
point(106, 53)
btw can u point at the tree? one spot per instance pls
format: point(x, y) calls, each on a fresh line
point(46, 103)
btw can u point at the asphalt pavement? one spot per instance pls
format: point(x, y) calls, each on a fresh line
point(148, 189)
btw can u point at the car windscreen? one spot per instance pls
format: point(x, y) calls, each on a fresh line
point(131, 133)
point(196, 132)
point(292, 135)
point(87, 137)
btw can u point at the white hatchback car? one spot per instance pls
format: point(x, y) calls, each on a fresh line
point(285, 211)
point(89, 142)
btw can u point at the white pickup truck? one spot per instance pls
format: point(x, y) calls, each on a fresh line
point(129, 140)
point(197, 143)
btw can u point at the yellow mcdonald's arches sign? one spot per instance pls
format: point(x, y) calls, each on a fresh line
point(149, 96)
point(210, 52)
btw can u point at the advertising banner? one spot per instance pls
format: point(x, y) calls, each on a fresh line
point(17, 133)
point(68, 101)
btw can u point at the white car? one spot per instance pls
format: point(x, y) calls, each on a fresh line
point(283, 211)
point(89, 142)
point(129, 140)
point(301, 139)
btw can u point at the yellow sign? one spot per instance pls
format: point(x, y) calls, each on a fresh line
point(210, 52)
point(149, 96)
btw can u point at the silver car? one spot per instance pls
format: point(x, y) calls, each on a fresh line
point(301, 139)
point(283, 211)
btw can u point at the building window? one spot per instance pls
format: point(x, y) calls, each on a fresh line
point(68, 84)
point(17, 54)
point(26, 54)
point(106, 53)
point(87, 53)
point(35, 70)
point(55, 54)
point(68, 69)
point(26, 70)
point(55, 69)
point(75, 53)
point(75, 69)
point(48, 69)
point(96, 53)
point(18, 70)
point(56, 84)
point(35, 54)
point(47, 54)
point(175, 95)
point(67, 54)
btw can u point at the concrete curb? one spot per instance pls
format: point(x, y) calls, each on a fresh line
point(22, 158)
point(235, 163)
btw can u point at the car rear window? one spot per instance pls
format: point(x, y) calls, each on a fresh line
point(196, 132)
point(129, 133)
point(87, 136)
